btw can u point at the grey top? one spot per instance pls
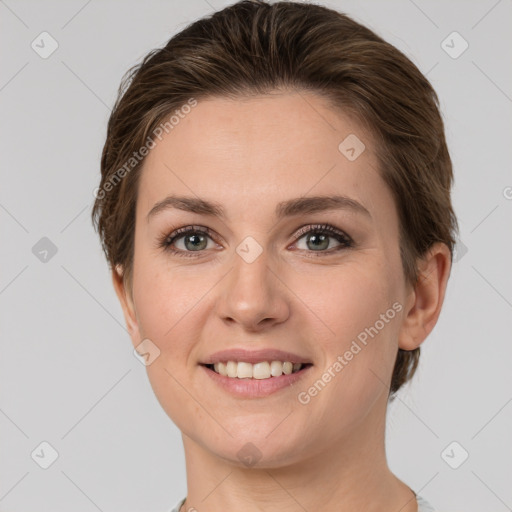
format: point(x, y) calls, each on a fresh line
point(423, 505)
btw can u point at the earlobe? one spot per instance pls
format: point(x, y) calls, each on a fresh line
point(426, 298)
point(126, 301)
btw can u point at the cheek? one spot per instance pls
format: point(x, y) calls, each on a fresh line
point(167, 309)
point(349, 300)
point(357, 307)
point(164, 297)
point(358, 355)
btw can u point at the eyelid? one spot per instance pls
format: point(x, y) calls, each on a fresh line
point(344, 239)
point(167, 240)
point(319, 227)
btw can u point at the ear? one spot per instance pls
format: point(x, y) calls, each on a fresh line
point(426, 298)
point(125, 298)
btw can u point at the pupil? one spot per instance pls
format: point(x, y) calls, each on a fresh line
point(198, 240)
point(321, 239)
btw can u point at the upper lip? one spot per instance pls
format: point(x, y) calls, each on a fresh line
point(254, 356)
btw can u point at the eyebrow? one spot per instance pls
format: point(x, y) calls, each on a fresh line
point(288, 208)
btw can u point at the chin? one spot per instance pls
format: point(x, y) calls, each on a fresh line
point(268, 447)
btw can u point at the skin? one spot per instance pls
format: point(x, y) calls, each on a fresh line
point(249, 154)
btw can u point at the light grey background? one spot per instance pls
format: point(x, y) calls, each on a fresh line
point(68, 374)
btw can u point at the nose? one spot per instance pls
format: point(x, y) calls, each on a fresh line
point(253, 294)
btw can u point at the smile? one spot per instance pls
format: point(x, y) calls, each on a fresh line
point(259, 380)
point(261, 370)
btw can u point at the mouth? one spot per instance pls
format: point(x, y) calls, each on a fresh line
point(262, 370)
point(243, 380)
point(244, 373)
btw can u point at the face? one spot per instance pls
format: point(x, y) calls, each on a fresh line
point(323, 284)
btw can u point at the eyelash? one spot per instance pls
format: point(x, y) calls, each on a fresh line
point(166, 241)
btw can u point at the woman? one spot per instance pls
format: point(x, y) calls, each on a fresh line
point(275, 208)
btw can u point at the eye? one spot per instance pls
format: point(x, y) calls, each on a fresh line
point(194, 239)
point(318, 238)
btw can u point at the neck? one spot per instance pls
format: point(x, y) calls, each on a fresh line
point(352, 474)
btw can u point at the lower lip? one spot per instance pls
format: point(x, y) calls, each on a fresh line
point(255, 388)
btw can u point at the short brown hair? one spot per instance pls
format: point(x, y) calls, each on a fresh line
point(252, 47)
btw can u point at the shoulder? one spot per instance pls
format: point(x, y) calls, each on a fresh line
point(424, 505)
point(178, 505)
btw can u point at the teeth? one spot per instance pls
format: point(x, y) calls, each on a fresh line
point(231, 368)
point(263, 370)
point(276, 368)
point(244, 370)
point(259, 370)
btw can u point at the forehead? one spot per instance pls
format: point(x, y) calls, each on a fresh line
point(262, 149)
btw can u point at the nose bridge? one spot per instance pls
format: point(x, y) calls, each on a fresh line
point(252, 292)
point(250, 281)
